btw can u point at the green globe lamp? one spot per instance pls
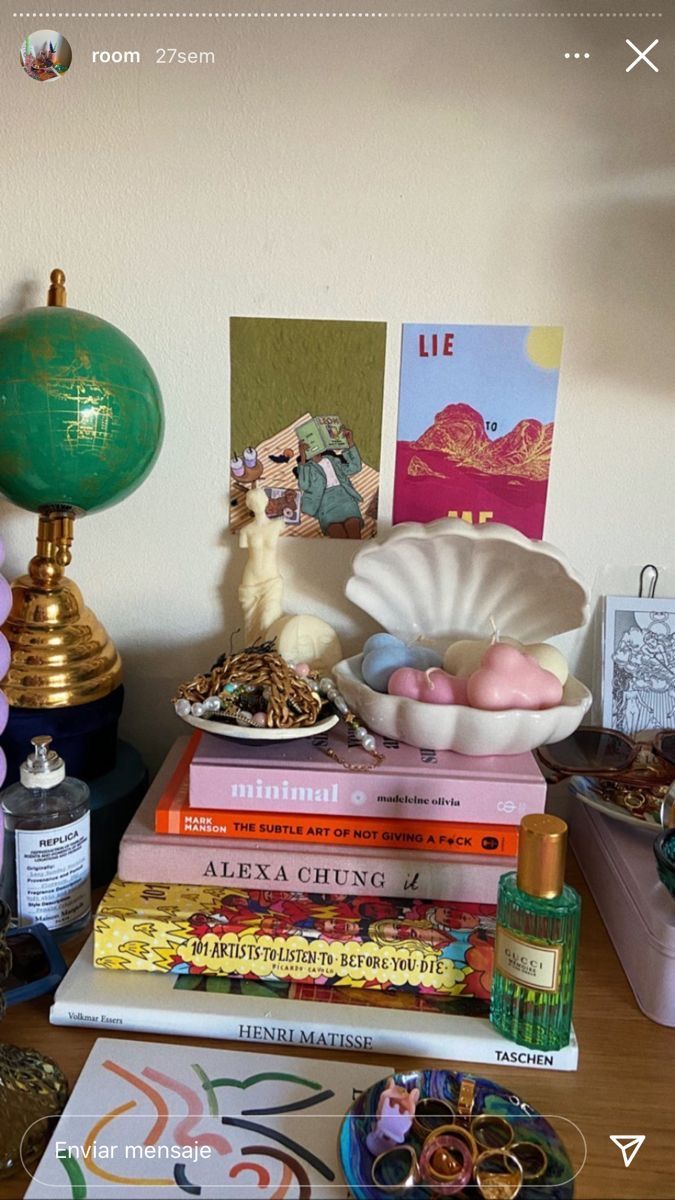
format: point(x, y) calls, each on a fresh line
point(81, 424)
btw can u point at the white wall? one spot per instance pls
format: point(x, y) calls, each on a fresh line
point(390, 169)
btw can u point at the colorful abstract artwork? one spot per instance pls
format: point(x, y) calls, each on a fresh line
point(306, 418)
point(149, 1119)
point(475, 423)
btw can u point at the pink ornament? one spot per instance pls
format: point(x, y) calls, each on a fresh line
point(259, 719)
point(507, 678)
point(431, 687)
point(302, 669)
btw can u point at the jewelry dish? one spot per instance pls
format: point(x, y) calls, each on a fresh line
point(252, 733)
point(555, 1183)
point(445, 581)
point(640, 807)
point(254, 695)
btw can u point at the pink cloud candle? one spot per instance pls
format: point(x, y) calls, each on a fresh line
point(430, 687)
point(509, 678)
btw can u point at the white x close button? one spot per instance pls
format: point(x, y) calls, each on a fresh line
point(642, 55)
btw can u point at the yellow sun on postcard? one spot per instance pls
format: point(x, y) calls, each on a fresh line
point(544, 346)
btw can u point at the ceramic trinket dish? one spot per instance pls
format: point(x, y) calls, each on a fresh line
point(444, 582)
point(487, 1119)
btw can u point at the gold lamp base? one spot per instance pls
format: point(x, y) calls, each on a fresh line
point(61, 654)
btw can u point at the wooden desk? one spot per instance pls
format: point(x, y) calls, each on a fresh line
point(624, 1083)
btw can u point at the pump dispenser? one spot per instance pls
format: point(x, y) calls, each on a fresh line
point(43, 768)
point(536, 940)
point(46, 866)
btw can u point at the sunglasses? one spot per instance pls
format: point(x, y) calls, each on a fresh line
point(608, 754)
point(32, 964)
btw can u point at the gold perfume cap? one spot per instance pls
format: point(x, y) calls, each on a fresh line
point(541, 855)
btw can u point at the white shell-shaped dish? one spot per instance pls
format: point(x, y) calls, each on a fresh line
point(249, 733)
point(457, 727)
point(445, 580)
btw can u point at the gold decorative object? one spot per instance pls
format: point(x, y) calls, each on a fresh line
point(57, 297)
point(61, 654)
point(81, 424)
point(32, 1089)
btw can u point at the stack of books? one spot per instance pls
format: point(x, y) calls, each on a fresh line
point(311, 904)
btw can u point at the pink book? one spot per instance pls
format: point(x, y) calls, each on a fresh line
point(149, 857)
point(427, 785)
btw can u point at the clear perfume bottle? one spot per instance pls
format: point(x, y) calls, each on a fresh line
point(536, 940)
point(46, 863)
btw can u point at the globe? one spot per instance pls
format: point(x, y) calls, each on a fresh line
point(81, 416)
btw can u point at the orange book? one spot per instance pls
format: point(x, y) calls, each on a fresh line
point(174, 815)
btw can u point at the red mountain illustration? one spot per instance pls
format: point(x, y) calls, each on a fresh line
point(458, 433)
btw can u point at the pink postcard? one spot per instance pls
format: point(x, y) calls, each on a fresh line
point(475, 425)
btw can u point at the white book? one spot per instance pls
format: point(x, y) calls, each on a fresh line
point(154, 1003)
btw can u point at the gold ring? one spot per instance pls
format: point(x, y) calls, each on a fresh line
point(498, 1174)
point(458, 1131)
point(466, 1098)
point(492, 1132)
point(396, 1169)
point(431, 1111)
point(532, 1158)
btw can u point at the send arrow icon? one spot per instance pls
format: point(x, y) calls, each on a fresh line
point(628, 1143)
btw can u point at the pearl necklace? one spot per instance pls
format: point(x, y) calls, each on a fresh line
point(327, 688)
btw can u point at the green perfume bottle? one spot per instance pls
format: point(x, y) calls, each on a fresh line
point(536, 940)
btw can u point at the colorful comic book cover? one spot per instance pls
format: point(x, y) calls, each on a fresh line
point(475, 424)
point(339, 941)
point(306, 419)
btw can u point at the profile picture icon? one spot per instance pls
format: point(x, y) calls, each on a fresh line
point(45, 55)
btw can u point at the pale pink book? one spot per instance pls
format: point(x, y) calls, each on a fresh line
point(149, 857)
point(427, 785)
